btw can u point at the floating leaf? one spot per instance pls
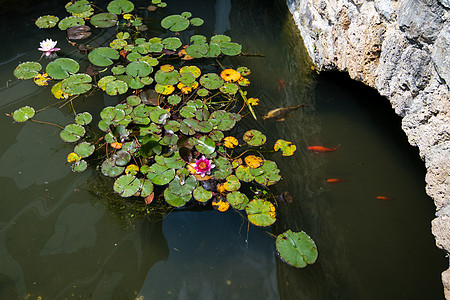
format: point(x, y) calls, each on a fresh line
point(187, 79)
point(175, 23)
point(230, 142)
point(132, 169)
point(24, 113)
point(167, 78)
point(110, 169)
point(253, 161)
point(72, 133)
point(103, 56)
point(286, 147)
point(244, 71)
point(116, 145)
point(116, 87)
point(146, 189)
point(261, 212)
point(230, 48)
point(230, 75)
point(78, 6)
point(174, 99)
point(236, 198)
point(213, 50)
point(182, 187)
point(70, 22)
point(205, 145)
point(73, 157)
point(164, 89)
point(244, 174)
point(222, 120)
point(139, 68)
point(58, 93)
point(133, 100)
point(296, 248)
point(211, 81)
point(104, 20)
point(167, 68)
point(222, 168)
point(76, 84)
point(120, 6)
point(219, 38)
point(127, 185)
point(254, 138)
point(171, 43)
point(202, 195)
point(216, 135)
point(175, 200)
point(194, 70)
point(186, 14)
point(267, 174)
point(122, 158)
point(220, 205)
point(84, 149)
point(47, 21)
point(61, 68)
point(232, 183)
point(202, 92)
point(160, 175)
point(229, 88)
point(78, 32)
point(197, 21)
point(79, 166)
point(27, 70)
point(197, 50)
point(41, 79)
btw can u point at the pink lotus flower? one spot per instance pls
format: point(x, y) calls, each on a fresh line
point(203, 166)
point(48, 46)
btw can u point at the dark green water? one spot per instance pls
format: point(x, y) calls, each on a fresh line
point(58, 241)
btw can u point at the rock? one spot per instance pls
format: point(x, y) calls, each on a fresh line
point(402, 49)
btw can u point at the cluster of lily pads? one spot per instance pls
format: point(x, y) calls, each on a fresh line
point(170, 136)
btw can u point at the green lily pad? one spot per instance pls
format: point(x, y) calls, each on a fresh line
point(103, 82)
point(197, 21)
point(159, 115)
point(296, 248)
point(78, 7)
point(216, 135)
point(103, 56)
point(230, 48)
point(71, 21)
point(198, 39)
point(160, 175)
point(127, 185)
point(232, 183)
point(79, 166)
point(186, 14)
point(244, 71)
point(61, 68)
point(174, 162)
point(172, 43)
point(181, 187)
point(188, 111)
point(202, 92)
point(118, 70)
point(220, 38)
point(211, 81)
point(229, 88)
point(197, 50)
point(150, 60)
point(110, 169)
point(120, 6)
point(186, 126)
point(205, 145)
point(254, 138)
point(194, 70)
point(213, 50)
point(27, 70)
point(72, 133)
point(122, 158)
point(133, 100)
point(24, 113)
point(76, 84)
point(244, 174)
point(174, 99)
point(175, 23)
point(202, 195)
point(175, 200)
point(223, 168)
point(139, 68)
point(84, 149)
point(47, 21)
point(222, 120)
point(104, 20)
point(187, 79)
point(236, 198)
point(167, 78)
point(133, 56)
point(146, 187)
point(83, 118)
point(116, 87)
point(261, 212)
point(286, 147)
point(156, 47)
point(267, 174)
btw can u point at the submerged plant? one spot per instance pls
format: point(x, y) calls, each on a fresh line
point(169, 138)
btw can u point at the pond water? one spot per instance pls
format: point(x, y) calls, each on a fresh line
point(58, 240)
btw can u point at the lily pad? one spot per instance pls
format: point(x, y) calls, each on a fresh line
point(167, 78)
point(110, 169)
point(104, 20)
point(127, 185)
point(213, 50)
point(62, 68)
point(72, 133)
point(175, 200)
point(244, 174)
point(174, 99)
point(175, 23)
point(236, 198)
point(76, 84)
point(47, 21)
point(230, 48)
point(79, 166)
point(27, 70)
point(120, 6)
point(172, 43)
point(182, 187)
point(197, 50)
point(160, 175)
point(211, 81)
point(122, 158)
point(223, 168)
point(254, 137)
point(216, 135)
point(103, 56)
point(261, 212)
point(78, 6)
point(202, 195)
point(296, 248)
point(232, 183)
point(229, 88)
point(84, 149)
point(197, 21)
point(222, 120)
point(220, 38)
point(205, 145)
point(139, 68)
point(24, 113)
point(202, 92)
point(116, 87)
point(146, 187)
point(83, 118)
point(71, 21)
point(286, 147)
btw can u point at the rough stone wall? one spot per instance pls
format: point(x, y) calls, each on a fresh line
point(402, 49)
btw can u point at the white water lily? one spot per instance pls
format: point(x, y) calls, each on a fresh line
point(48, 46)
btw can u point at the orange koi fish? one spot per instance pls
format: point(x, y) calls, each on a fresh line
point(281, 84)
point(322, 149)
point(384, 198)
point(335, 180)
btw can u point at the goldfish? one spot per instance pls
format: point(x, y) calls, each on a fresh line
point(335, 180)
point(384, 198)
point(322, 149)
point(281, 84)
point(280, 114)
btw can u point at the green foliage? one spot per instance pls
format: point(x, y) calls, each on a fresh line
point(168, 129)
point(296, 248)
